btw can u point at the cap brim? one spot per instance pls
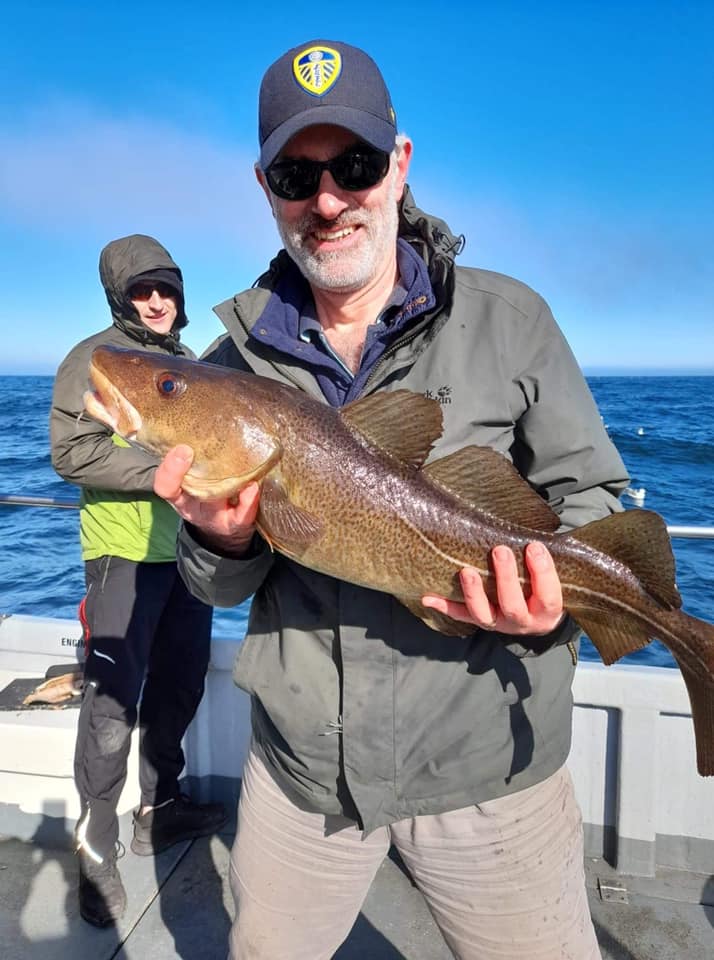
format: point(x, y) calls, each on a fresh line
point(374, 130)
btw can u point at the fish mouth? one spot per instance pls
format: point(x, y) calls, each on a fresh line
point(108, 405)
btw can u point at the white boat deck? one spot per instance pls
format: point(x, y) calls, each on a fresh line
point(180, 907)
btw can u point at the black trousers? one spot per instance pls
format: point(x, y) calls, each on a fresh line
point(142, 626)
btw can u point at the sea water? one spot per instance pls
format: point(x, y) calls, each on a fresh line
point(662, 426)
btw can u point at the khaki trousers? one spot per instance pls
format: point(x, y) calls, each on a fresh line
point(504, 880)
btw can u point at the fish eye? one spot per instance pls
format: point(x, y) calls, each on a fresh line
point(170, 384)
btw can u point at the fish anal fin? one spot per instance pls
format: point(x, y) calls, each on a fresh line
point(488, 481)
point(283, 524)
point(403, 424)
point(639, 539)
point(612, 637)
point(437, 621)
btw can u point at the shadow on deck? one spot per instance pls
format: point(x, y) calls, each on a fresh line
point(180, 907)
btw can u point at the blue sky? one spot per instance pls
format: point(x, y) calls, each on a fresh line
point(572, 143)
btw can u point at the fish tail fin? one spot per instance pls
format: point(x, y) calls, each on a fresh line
point(638, 539)
point(701, 698)
point(694, 655)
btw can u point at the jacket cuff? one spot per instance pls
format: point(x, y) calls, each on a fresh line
point(217, 580)
point(567, 631)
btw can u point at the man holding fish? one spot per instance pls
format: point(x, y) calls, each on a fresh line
point(442, 728)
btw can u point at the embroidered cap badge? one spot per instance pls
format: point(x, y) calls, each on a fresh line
point(317, 69)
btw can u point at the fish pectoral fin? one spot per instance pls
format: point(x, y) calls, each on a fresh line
point(487, 481)
point(701, 698)
point(284, 525)
point(639, 539)
point(403, 424)
point(437, 621)
point(612, 637)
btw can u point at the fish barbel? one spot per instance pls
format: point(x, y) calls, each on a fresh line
point(348, 492)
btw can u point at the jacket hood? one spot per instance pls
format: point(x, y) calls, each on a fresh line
point(119, 263)
point(431, 236)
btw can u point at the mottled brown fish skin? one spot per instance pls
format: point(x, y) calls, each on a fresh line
point(338, 502)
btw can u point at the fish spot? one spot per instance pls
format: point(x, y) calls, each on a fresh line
point(295, 688)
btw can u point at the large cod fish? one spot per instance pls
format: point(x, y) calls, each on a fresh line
point(347, 492)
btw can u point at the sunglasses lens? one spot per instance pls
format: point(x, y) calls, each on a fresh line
point(144, 291)
point(359, 169)
point(293, 179)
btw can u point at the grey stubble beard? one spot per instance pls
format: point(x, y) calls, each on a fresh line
point(351, 270)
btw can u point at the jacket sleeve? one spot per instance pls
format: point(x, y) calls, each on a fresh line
point(82, 449)
point(561, 445)
point(221, 581)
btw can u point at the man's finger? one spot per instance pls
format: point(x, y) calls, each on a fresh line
point(171, 471)
point(477, 603)
point(509, 589)
point(250, 501)
point(547, 593)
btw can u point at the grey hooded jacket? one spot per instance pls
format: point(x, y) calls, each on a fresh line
point(357, 706)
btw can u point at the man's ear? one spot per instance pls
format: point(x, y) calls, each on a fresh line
point(260, 177)
point(403, 160)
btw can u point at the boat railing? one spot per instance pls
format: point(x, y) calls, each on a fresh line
point(65, 503)
point(69, 503)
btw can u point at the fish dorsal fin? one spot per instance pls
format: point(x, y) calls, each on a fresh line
point(403, 424)
point(488, 481)
point(639, 539)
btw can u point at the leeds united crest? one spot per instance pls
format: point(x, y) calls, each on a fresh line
point(317, 69)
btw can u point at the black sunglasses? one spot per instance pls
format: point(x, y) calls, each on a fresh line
point(143, 291)
point(358, 168)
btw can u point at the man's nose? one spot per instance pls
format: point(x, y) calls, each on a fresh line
point(328, 202)
point(155, 301)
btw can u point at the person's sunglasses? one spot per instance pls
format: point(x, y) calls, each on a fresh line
point(358, 168)
point(143, 291)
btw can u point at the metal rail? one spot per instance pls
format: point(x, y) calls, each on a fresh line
point(10, 500)
point(695, 533)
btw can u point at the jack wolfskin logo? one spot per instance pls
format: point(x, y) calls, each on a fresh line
point(317, 69)
point(442, 395)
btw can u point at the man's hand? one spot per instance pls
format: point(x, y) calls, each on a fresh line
point(515, 613)
point(224, 525)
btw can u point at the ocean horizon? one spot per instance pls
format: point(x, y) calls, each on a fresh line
point(594, 370)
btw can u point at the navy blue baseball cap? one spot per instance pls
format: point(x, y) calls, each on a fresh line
point(324, 81)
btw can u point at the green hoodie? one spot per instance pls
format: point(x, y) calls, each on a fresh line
point(120, 515)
